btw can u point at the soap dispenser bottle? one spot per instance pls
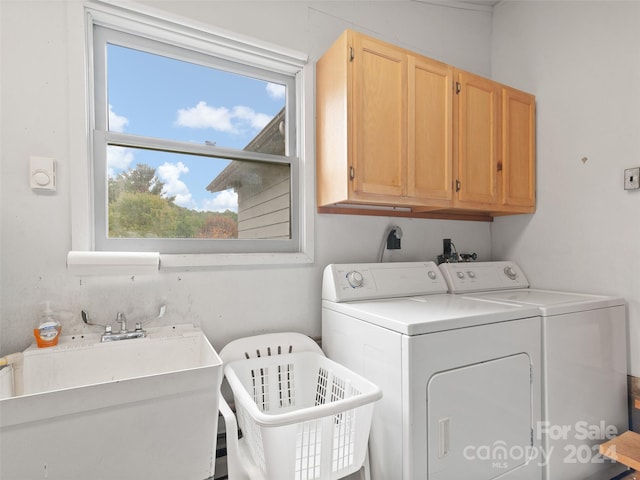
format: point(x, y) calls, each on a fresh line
point(48, 331)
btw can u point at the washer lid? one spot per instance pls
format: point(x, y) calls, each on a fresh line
point(430, 313)
point(548, 301)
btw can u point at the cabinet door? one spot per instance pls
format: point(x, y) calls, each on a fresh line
point(379, 121)
point(518, 149)
point(429, 160)
point(477, 123)
point(332, 130)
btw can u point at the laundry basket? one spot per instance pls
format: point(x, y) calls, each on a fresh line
point(303, 416)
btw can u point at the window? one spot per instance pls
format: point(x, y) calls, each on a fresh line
point(195, 141)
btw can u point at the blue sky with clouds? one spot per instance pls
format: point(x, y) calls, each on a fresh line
point(156, 96)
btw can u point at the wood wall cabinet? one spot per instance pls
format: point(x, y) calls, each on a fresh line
point(383, 126)
point(401, 134)
point(494, 153)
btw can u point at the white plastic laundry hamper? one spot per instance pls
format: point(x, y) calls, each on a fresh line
point(302, 416)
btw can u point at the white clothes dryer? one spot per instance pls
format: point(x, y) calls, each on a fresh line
point(584, 365)
point(460, 378)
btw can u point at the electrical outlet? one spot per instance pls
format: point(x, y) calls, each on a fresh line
point(393, 240)
point(632, 178)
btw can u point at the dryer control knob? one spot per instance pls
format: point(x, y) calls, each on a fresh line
point(355, 279)
point(461, 275)
point(432, 275)
point(510, 272)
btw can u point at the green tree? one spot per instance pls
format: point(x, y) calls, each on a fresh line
point(142, 179)
point(219, 226)
point(137, 209)
point(141, 215)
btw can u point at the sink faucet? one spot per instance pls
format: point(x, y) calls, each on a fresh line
point(123, 334)
point(122, 320)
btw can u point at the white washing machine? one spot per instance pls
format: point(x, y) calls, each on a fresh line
point(460, 377)
point(584, 362)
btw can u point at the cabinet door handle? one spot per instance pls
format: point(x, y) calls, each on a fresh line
point(499, 166)
point(352, 173)
point(458, 185)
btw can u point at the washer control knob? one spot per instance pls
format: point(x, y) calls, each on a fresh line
point(471, 274)
point(432, 275)
point(510, 272)
point(460, 275)
point(355, 279)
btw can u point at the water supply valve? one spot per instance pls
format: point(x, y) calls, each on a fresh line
point(451, 255)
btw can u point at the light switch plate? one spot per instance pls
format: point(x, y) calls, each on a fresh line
point(632, 178)
point(42, 173)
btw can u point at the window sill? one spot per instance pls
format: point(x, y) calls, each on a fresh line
point(82, 263)
point(206, 261)
point(146, 263)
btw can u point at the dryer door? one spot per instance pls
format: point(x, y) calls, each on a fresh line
point(480, 419)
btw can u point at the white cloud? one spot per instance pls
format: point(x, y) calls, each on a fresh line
point(223, 201)
point(248, 115)
point(235, 121)
point(276, 91)
point(205, 116)
point(116, 122)
point(169, 174)
point(118, 159)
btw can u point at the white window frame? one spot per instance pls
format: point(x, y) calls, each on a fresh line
point(158, 26)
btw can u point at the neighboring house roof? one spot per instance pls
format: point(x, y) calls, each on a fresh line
point(269, 140)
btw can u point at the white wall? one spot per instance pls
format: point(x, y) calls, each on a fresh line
point(38, 50)
point(582, 61)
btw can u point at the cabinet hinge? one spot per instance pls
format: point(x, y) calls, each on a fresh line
point(352, 54)
point(458, 185)
point(352, 173)
point(458, 87)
